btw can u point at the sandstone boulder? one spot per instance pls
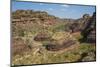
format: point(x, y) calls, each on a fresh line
point(61, 40)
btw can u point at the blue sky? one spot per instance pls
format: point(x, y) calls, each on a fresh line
point(59, 10)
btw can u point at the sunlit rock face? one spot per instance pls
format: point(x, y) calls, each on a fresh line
point(89, 32)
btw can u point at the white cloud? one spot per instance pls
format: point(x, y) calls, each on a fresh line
point(65, 5)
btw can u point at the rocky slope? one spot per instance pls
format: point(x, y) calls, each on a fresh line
point(38, 38)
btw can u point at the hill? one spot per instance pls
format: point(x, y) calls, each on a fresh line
point(38, 38)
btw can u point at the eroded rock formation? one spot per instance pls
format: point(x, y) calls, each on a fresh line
point(61, 40)
point(89, 32)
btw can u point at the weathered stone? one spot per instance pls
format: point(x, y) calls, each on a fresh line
point(41, 37)
point(89, 32)
point(78, 24)
point(62, 40)
point(57, 47)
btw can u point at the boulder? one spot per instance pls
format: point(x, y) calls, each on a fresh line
point(61, 40)
point(42, 36)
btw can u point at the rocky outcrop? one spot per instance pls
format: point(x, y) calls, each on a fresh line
point(86, 25)
point(57, 47)
point(74, 27)
point(89, 32)
point(60, 41)
point(42, 37)
point(31, 16)
point(78, 24)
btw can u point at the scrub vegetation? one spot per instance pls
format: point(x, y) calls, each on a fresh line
point(40, 38)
